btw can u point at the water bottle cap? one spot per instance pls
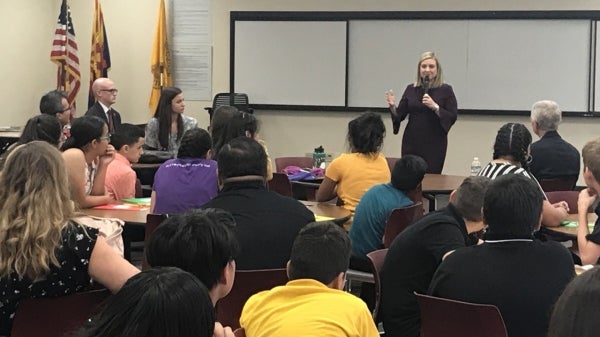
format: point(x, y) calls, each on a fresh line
point(476, 159)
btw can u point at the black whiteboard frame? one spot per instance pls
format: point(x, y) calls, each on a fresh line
point(347, 16)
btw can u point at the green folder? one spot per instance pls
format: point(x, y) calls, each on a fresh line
point(573, 224)
point(137, 201)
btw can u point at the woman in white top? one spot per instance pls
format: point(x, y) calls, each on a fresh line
point(512, 156)
point(87, 154)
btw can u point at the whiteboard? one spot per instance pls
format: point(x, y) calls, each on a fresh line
point(491, 64)
point(514, 63)
point(350, 61)
point(291, 62)
point(383, 55)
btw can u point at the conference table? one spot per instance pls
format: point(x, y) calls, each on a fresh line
point(439, 184)
point(572, 231)
point(138, 215)
point(431, 186)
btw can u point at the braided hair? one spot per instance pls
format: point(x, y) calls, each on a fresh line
point(513, 139)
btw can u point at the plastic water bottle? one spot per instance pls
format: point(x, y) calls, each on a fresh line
point(475, 166)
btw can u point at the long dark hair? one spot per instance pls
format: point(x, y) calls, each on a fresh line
point(165, 302)
point(240, 123)
point(83, 131)
point(163, 114)
point(42, 127)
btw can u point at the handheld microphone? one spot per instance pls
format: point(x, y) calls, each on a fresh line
point(425, 85)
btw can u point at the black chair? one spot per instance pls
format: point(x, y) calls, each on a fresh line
point(398, 220)
point(444, 317)
point(280, 184)
point(56, 316)
point(238, 100)
point(558, 184)
point(247, 283)
point(152, 222)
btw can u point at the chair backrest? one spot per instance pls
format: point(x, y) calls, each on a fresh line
point(558, 184)
point(138, 189)
point(238, 100)
point(283, 162)
point(444, 317)
point(239, 332)
point(247, 283)
point(377, 257)
point(152, 222)
point(570, 197)
point(56, 316)
point(280, 184)
point(391, 162)
point(399, 219)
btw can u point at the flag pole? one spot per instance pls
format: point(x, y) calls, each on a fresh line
point(63, 80)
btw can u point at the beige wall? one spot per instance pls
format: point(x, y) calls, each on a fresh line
point(28, 28)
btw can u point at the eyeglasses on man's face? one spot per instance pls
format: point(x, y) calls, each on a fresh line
point(107, 137)
point(112, 91)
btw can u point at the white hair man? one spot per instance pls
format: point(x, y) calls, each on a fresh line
point(552, 157)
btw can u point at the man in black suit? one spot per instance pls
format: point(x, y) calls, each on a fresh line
point(106, 95)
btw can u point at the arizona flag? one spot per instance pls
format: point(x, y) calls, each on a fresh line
point(160, 62)
point(100, 57)
point(64, 54)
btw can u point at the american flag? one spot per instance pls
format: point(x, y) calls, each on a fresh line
point(64, 54)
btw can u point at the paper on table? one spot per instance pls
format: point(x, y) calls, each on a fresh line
point(127, 207)
point(573, 224)
point(323, 218)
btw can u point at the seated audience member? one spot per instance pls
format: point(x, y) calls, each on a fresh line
point(242, 124)
point(576, 311)
point(87, 154)
point(512, 270)
point(267, 222)
point(55, 103)
point(351, 174)
point(200, 241)
point(165, 130)
point(589, 243)
point(156, 302)
point(551, 156)
point(376, 205)
point(511, 156)
point(43, 253)
point(416, 253)
point(190, 180)
point(312, 303)
point(120, 177)
point(218, 125)
point(40, 127)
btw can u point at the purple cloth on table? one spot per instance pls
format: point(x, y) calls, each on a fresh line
point(296, 173)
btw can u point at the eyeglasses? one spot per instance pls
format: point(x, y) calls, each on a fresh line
point(107, 137)
point(65, 110)
point(112, 91)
